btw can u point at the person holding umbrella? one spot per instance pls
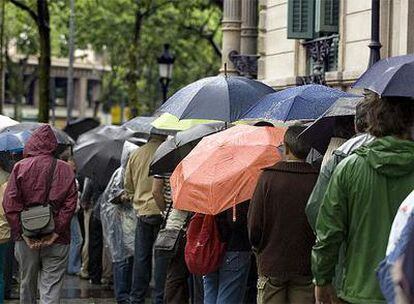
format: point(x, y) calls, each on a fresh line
point(278, 230)
point(360, 203)
point(138, 188)
point(362, 138)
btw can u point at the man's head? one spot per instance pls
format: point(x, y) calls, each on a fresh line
point(263, 124)
point(295, 148)
point(361, 116)
point(390, 116)
point(158, 137)
point(42, 142)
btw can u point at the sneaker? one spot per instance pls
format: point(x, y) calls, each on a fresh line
point(84, 275)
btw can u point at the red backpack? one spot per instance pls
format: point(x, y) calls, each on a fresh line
point(204, 249)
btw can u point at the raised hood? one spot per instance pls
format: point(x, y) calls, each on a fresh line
point(389, 156)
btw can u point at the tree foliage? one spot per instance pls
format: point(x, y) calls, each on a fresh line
point(130, 49)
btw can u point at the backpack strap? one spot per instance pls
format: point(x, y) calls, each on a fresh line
point(49, 180)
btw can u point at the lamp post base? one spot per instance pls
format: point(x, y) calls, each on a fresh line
point(375, 54)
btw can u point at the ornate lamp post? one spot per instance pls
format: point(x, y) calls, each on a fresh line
point(165, 63)
point(375, 44)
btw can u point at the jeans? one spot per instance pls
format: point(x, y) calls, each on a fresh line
point(146, 233)
point(122, 279)
point(228, 283)
point(3, 249)
point(76, 240)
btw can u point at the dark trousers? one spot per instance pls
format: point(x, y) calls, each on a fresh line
point(10, 269)
point(146, 233)
point(95, 249)
point(122, 272)
point(177, 290)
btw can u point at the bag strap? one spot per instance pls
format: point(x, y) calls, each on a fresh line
point(49, 180)
point(164, 222)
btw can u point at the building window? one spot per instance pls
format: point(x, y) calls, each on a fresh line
point(314, 20)
point(60, 89)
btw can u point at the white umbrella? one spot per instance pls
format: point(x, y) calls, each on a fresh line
point(6, 121)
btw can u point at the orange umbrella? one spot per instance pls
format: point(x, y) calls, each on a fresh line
point(223, 168)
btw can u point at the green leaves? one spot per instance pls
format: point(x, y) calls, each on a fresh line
point(108, 26)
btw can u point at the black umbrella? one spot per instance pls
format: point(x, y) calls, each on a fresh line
point(141, 125)
point(98, 152)
point(79, 126)
point(170, 153)
point(390, 77)
point(216, 98)
point(341, 113)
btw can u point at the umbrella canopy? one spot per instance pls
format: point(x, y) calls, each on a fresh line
point(98, 152)
point(319, 133)
point(223, 168)
point(143, 126)
point(14, 138)
point(168, 122)
point(390, 77)
point(79, 126)
point(298, 103)
point(14, 142)
point(171, 152)
point(216, 98)
point(6, 121)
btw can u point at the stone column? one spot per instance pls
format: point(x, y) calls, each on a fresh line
point(248, 41)
point(231, 33)
point(261, 47)
point(83, 95)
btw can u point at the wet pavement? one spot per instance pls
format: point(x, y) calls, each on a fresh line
point(77, 291)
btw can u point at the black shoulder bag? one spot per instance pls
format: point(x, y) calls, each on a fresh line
point(168, 240)
point(37, 221)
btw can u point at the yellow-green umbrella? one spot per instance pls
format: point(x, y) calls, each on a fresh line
point(170, 122)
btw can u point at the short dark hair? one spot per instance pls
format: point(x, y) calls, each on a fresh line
point(263, 123)
point(297, 146)
point(390, 116)
point(361, 116)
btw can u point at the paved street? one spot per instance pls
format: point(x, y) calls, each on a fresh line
point(78, 291)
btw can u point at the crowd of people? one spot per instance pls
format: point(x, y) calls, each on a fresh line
point(315, 230)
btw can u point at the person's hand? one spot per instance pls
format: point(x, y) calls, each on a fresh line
point(32, 243)
point(325, 294)
point(125, 198)
point(49, 239)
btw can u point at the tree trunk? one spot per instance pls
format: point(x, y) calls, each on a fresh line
point(43, 24)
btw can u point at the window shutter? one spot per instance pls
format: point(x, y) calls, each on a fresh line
point(301, 19)
point(327, 16)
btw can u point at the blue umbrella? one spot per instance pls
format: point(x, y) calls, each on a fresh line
point(298, 103)
point(14, 142)
point(216, 98)
point(390, 77)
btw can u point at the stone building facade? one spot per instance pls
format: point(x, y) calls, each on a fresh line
point(88, 71)
point(283, 61)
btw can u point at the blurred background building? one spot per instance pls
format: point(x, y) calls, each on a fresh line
point(89, 68)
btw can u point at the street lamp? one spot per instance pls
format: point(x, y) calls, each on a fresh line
point(375, 44)
point(165, 63)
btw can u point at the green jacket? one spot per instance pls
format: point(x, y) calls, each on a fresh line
point(361, 201)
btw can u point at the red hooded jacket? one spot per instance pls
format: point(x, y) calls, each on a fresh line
point(27, 185)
